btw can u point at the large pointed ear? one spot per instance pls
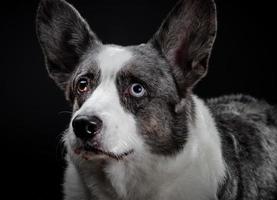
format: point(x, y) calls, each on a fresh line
point(186, 38)
point(64, 37)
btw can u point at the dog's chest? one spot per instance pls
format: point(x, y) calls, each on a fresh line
point(120, 182)
point(123, 182)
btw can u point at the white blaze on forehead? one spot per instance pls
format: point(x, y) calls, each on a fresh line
point(111, 59)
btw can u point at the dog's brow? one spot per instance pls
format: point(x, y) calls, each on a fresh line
point(111, 59)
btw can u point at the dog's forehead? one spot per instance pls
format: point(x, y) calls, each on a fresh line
point(112, 58)
point(113, 61)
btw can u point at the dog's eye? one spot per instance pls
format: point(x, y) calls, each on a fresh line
point(136, 90)
point(82, 85)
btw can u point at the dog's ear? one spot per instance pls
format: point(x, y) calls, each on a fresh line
point(64, 37)
point(186, 38)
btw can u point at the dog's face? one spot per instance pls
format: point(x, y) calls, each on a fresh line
point(127, 100)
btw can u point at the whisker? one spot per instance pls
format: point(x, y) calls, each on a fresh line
point(60, 149)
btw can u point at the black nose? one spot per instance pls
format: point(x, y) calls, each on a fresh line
point(86, 127)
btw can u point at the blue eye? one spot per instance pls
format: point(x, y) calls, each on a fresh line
point(137, 90)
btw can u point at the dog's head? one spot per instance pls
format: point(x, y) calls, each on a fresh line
point(127, 100)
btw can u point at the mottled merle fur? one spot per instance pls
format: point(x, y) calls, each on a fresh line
point(248, 131)
point(168, 66)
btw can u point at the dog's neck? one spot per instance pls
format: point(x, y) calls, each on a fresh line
point(194, 173)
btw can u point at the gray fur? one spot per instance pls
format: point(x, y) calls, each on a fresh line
point(64, 37)
point(186, 38)
point(156, 75)
point(248, 129)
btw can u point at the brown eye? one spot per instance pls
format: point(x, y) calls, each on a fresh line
point(82, 85)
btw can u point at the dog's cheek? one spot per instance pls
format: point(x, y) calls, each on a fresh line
point(155, 126)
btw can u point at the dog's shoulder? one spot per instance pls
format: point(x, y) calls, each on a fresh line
point(238, 111)
point(248, 129)
point(243, 106)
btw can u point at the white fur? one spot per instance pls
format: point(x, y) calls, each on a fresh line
point(193, 174)
point(111, 59)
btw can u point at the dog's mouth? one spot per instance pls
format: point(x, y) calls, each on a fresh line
point(89, 152)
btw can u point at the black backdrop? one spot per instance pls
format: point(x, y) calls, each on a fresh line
point(34, 112)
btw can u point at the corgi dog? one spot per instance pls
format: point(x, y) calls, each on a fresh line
point(137, 131)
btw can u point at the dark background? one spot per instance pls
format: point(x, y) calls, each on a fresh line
point(34, 112)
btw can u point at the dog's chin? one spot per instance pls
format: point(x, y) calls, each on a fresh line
point(93, 153)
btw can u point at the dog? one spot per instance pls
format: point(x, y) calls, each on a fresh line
point(137, 130)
